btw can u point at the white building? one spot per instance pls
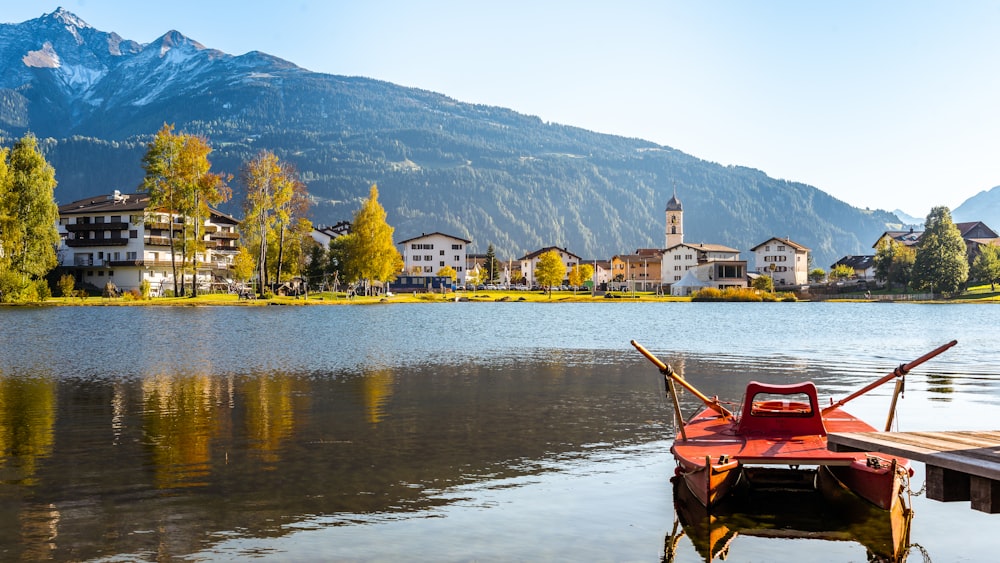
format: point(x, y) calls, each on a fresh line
point(529, 262)
point(323, 235)
point(784, 261)
point(116, 238)
point(680, 258)
point(427, 254)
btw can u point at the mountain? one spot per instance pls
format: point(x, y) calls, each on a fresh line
point(984, 206)
point(908, 219)
point(484, 173)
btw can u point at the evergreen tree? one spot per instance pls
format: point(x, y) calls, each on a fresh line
point(940, 265)
point(491, 265)
point(28, 217)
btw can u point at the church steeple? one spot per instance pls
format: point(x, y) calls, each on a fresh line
point(675, 221)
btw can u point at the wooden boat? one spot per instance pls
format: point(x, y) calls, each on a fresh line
point(781, 426)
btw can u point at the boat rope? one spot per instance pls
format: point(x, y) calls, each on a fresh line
point(922, 549)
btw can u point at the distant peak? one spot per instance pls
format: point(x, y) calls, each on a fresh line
point(67, 18)
point(174, 38)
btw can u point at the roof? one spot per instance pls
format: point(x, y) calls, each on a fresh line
point(425, 235)
point(649, 252)
point(541, 251)
point(703, 247)
point(856, 262)
point(976, 229)
point(909, 238)
point(113, 203)
point(117, 202)
point(796, 246)
point(674, 204)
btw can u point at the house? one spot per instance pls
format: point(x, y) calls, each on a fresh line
point(863, 266)
point(680, 258)
point(641, 270)
point(427, 254)
point(976, 234)
point(786, 262)
point(529, 262)
point(117, 238)
point(720, 274)
point(323, 235)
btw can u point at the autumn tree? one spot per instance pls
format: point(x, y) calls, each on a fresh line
point(894, 262)
point(181, 186)
point(448, 272)
point(28, 217)
point(841, 272)
point(550, 270)
point(940, 265)
point(370, 250)
point(817, 275)
point(274, 198)
point(986, 266)
point(580, 274)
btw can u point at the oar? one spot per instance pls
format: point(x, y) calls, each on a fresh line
point(665, 370)
point(902, 370)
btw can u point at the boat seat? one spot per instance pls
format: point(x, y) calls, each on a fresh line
point(781, 410)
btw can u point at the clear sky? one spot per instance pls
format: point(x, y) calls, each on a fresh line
point(883, 104)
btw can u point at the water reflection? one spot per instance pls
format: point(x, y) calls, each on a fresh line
point(27, 420)
point(786, 514)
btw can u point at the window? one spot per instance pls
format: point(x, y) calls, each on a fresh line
point(677, 268)
point(428, 269)
point(781, 248)
point(458, 269)
point(677, 256)
point(441, 264)
point(416, 258)
point(441, 252)
point(99, 220)
point(428, 258)
point(456, 247)
point(130, 256)
point(687, 256)
point(457, 258)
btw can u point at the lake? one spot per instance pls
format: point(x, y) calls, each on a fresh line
point(436, 432)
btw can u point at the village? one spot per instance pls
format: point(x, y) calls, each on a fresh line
point(109, 238)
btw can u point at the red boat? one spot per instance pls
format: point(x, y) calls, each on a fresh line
point(781, 426)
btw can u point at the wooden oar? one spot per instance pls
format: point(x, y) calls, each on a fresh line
point(902, 370)
point(665, 370)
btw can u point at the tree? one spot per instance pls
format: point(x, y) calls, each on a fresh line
point(180, 184)
point(370, 248)
point(986, 266)
point(893, 262)
point(817, 275)
point(270, 204)
point(579, 274)
point(841, 272)
point(763, 283)
point(940, 265)
point(449, 272)
point(550, 270)
point(491, 265)
point(243, 265)
point(28, 217)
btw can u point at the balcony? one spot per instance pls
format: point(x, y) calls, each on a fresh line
point(88, 242)
point(224, 235)
point(156, 241)
point(84, 227)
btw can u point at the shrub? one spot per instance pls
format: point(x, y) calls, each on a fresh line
point(42, 291)
point(144, 289)
point(66, 285)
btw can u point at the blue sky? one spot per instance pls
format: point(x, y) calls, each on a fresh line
point(883, 104)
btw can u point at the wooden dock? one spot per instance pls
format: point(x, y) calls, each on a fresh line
point(961, 466)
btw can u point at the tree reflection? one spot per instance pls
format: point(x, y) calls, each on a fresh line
point(27, 419)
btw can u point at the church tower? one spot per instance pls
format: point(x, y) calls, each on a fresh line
point(675, 221)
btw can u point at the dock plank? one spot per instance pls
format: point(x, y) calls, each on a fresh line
point(961, 465)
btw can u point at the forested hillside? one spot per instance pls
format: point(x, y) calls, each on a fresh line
point(488, 174)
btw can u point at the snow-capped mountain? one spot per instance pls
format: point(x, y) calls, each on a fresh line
point(65, 77)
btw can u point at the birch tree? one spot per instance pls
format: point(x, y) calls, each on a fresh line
point(268, 209)
point(369, 246)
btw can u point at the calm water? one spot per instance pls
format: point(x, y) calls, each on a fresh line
point(433, 432)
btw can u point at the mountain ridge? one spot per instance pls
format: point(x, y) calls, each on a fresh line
point(484, 173)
